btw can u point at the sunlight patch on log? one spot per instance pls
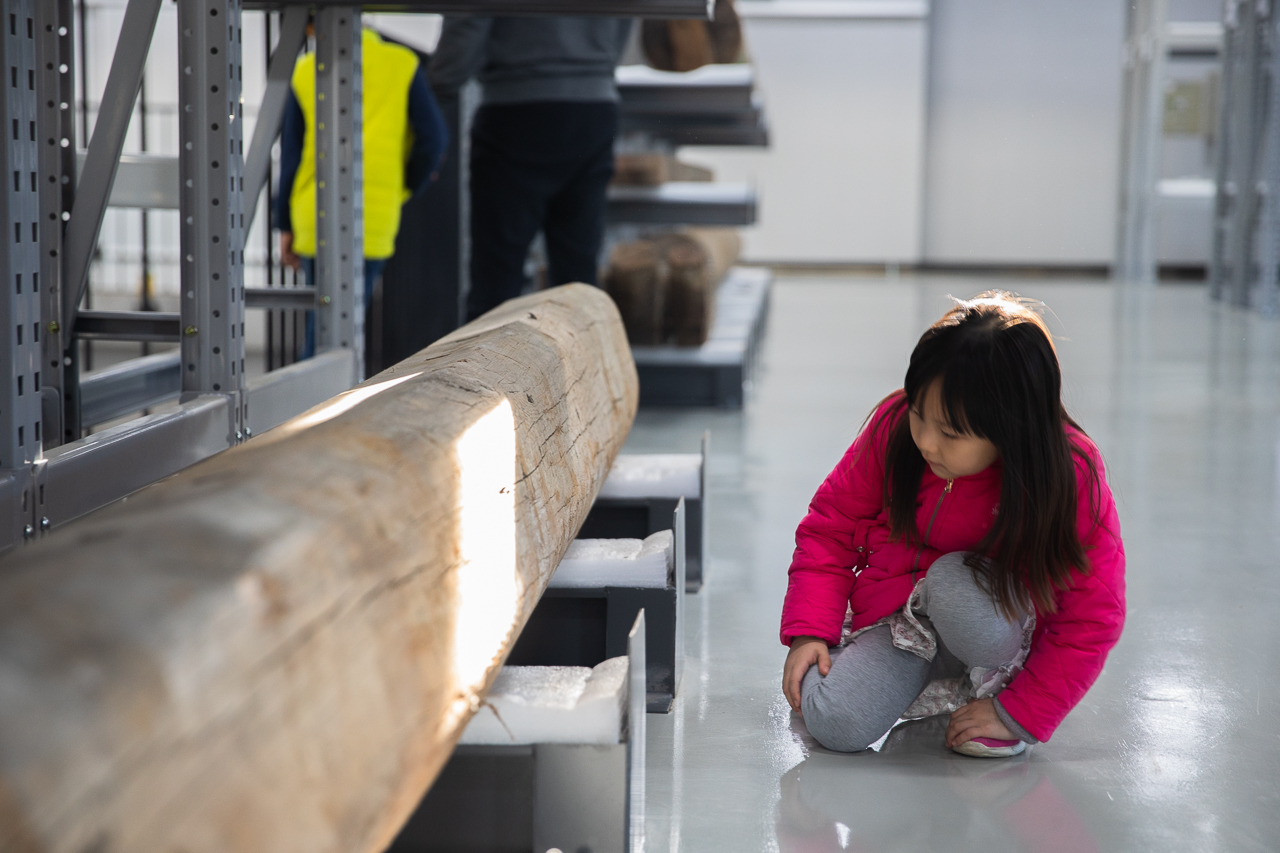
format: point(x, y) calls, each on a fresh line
point(489, 588)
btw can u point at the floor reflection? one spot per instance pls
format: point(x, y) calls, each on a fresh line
point(922, 796)
point(1175, 747)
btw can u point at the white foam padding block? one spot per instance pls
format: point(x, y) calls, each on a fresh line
point(594, 563)
point(654, 475)
point(553, 704)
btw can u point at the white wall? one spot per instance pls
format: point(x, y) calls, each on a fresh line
point(956, 131)
point(1024, 131)
point(843, 84)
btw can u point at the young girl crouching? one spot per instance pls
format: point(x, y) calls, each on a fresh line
point(964, 556)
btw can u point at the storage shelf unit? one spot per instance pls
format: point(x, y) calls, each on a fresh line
point(713, 105)
point(49, 474)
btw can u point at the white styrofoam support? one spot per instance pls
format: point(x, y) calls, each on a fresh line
point(593, 563)
point(553, 704)
point(736, 74)
point(654, 475)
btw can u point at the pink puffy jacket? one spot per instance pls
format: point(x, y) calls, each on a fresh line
point(844, 556)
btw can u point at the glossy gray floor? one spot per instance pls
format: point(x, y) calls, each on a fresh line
point(1177, 747)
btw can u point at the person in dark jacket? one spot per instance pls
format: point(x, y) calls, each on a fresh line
point(541, 142)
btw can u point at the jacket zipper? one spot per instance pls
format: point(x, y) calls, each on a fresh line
point(929, 529)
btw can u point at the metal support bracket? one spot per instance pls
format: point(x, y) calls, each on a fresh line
point(339, 184)
point(85, 475)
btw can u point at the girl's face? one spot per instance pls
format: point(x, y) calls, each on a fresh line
point(948, 452)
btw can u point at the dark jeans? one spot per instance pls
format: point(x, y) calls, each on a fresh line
point(372, 269)
point(537, 165)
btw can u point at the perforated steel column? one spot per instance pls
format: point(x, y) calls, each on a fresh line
point(339, 184)
point(211, 160)
point(55, 87)
point(20, 415)
point(20, 309)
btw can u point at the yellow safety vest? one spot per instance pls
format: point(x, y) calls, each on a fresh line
point(388, 70)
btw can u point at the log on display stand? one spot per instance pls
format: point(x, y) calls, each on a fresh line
point(665, 284)
point(276, 649)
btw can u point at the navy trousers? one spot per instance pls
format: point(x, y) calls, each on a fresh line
point(543, 165)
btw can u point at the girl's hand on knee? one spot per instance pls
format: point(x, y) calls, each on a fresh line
point(977, 719)
point(805, 652)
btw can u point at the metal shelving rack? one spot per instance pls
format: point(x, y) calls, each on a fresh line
point(48, 473)
point(661, 110)
point(1245, 265)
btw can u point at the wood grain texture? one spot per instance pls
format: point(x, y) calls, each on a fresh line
point(276, 649)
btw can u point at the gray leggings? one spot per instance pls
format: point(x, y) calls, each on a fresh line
point(872, 682)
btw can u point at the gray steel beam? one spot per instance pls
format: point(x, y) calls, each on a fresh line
point(1194, 39)
point(85, 475)
point(211, 152)
point(21, 412)
point(293, 34)
point(612, 8)
point(339, 184)
point(103, 156)
point(275, 397)
point(288, 298)
point(55, 87)
point(131, 386)
point(154, 326)
point(148, 181)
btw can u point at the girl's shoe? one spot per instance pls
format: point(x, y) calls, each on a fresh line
point(986, 747)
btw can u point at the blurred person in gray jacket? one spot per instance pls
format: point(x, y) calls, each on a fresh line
point(541, 142)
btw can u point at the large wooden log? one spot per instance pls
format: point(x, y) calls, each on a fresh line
point(276, 649)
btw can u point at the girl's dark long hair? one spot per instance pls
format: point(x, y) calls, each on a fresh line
point(1000, 380)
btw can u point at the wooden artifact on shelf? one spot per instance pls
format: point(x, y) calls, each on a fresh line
point(684, 45)
point(665, 286)
point(636, 279)
point(277, 649)
point(649, 169)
